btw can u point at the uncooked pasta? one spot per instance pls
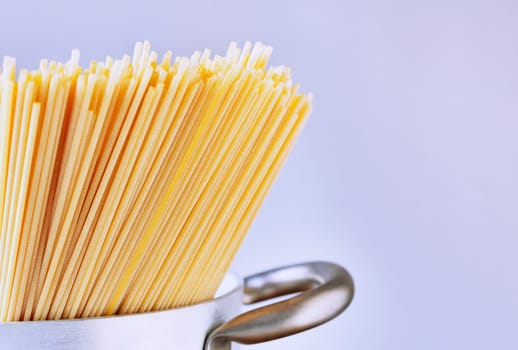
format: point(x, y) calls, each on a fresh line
point(129, 185)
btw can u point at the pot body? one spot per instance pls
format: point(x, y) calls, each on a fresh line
point(178, 329)
point(325, 290)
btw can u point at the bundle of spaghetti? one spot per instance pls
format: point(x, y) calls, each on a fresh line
point(128, 186)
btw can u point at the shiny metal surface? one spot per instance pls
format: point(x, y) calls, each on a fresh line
point(327, 289)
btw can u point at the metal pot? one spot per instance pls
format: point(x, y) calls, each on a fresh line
point(327, 289)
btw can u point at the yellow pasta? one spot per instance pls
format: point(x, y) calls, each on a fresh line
point(128, 186)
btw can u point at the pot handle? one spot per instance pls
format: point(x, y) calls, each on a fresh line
point(327, 289)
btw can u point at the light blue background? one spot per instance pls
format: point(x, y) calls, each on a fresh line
point(407, 171)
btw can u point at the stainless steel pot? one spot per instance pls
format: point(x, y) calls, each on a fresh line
point(327, 289)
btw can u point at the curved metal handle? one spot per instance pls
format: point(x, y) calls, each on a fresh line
point(327, 291)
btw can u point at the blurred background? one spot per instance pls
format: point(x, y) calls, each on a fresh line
point(407, 171)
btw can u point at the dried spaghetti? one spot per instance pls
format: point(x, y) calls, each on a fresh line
point(128, 186)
